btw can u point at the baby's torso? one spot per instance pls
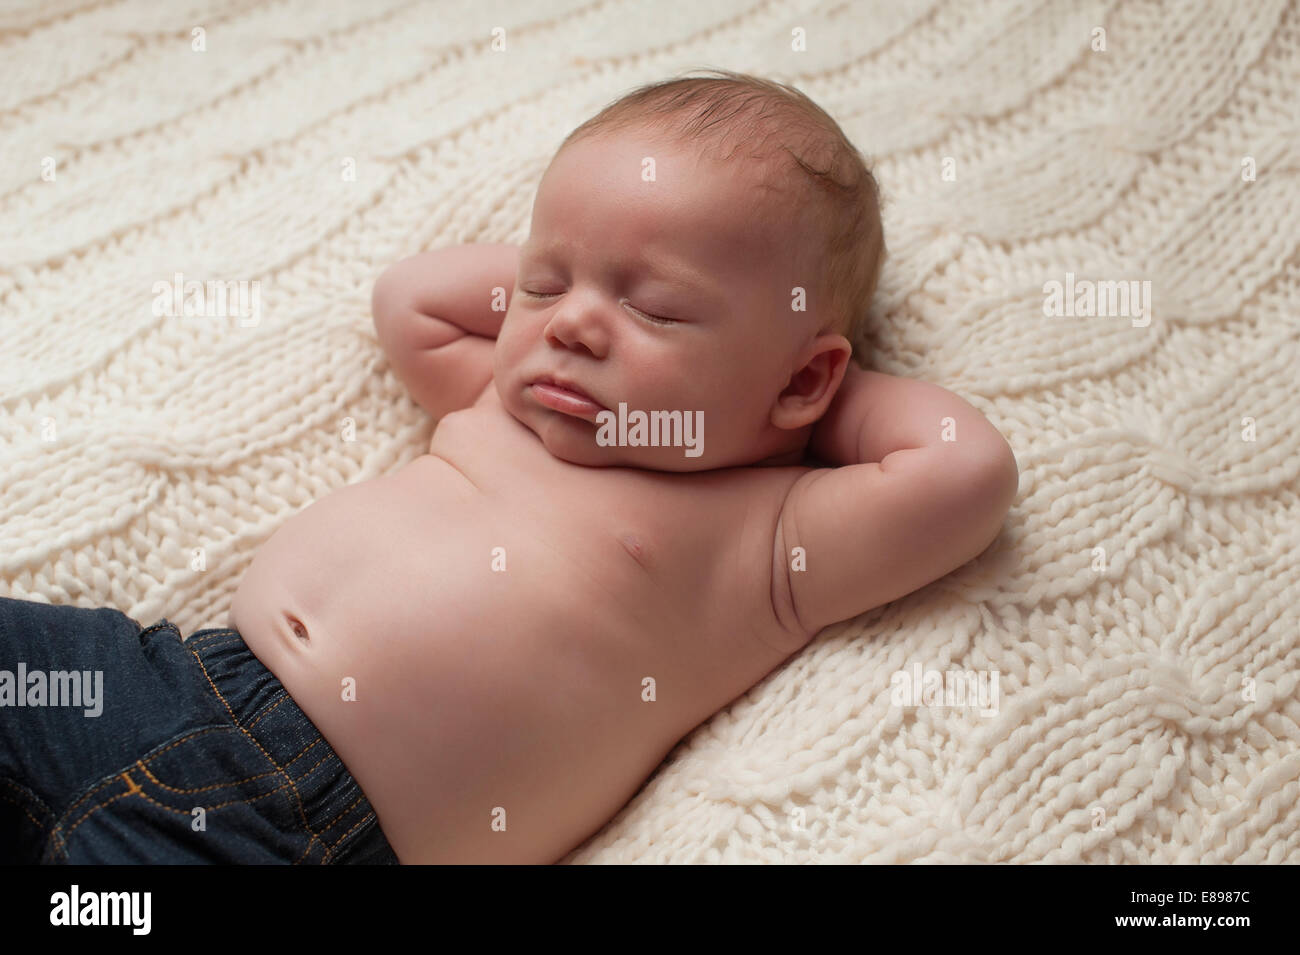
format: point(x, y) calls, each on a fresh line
point(497, 614)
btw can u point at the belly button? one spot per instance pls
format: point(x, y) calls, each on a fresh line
point(299, 630)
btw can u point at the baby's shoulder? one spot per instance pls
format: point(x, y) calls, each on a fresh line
point(722, 511)
point(727, 527)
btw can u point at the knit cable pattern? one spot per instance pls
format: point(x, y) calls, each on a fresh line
point(1140, 605)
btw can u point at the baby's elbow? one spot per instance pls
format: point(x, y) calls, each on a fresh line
point(998, 481)
point(385, 297)
point(990, 481)
point(1007, 474)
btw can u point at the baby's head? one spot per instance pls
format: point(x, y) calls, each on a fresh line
point(707, 246)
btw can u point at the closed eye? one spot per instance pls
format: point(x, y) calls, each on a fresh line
point(657, 319)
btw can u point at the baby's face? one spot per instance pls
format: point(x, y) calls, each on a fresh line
point(660, 294)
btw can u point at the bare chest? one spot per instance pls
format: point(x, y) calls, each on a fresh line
point(512, 622)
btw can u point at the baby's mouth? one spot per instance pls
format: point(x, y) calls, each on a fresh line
point(565, 398)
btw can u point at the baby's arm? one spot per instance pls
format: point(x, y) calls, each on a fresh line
point(435, 320)
point(905, 507)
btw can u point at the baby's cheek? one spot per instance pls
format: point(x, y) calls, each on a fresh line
point(505, 355)
point(677, 382)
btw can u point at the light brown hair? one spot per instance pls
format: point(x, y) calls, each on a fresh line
point(824, 173)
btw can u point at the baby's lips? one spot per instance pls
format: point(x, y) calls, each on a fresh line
point(564, 401)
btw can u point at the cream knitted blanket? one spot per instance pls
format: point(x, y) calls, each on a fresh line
point(1140, 606)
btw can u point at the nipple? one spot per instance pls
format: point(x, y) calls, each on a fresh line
point(635, 547)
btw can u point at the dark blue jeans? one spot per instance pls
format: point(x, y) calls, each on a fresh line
point(132, 746)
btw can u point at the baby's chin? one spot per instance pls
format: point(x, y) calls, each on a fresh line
point(565, 436)
point(574, 440)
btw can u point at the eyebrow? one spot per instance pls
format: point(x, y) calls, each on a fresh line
point(667, 268)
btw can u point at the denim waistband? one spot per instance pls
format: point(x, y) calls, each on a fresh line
point(332, 805)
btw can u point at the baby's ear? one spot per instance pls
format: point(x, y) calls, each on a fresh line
point(814, 383)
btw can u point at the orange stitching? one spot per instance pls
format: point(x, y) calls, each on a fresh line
point(58, 832)
point(52, 851)
point(212, 632)
point(144, 764)
point(147, 798)
point(61, 838)
point(302, 812)
point(115, 776)
point(232, 782)
point(137, 791)
point(186, 812)
point(184, 739)
point(88, 794)
point(330, 825)
point(256, 719)
point(59, 835)
point(364, 820)
point(24, 791)
point(310, 745)
point(323, 759)
point(198, 789)
point(91, 792)
point(7, 798)
point(209, 647)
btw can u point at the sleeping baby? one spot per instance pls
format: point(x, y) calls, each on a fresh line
point(656, 474)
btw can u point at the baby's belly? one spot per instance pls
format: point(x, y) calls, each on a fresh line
point(489, 702)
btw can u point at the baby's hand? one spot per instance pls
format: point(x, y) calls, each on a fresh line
point(925, 485)
point(435, 320)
